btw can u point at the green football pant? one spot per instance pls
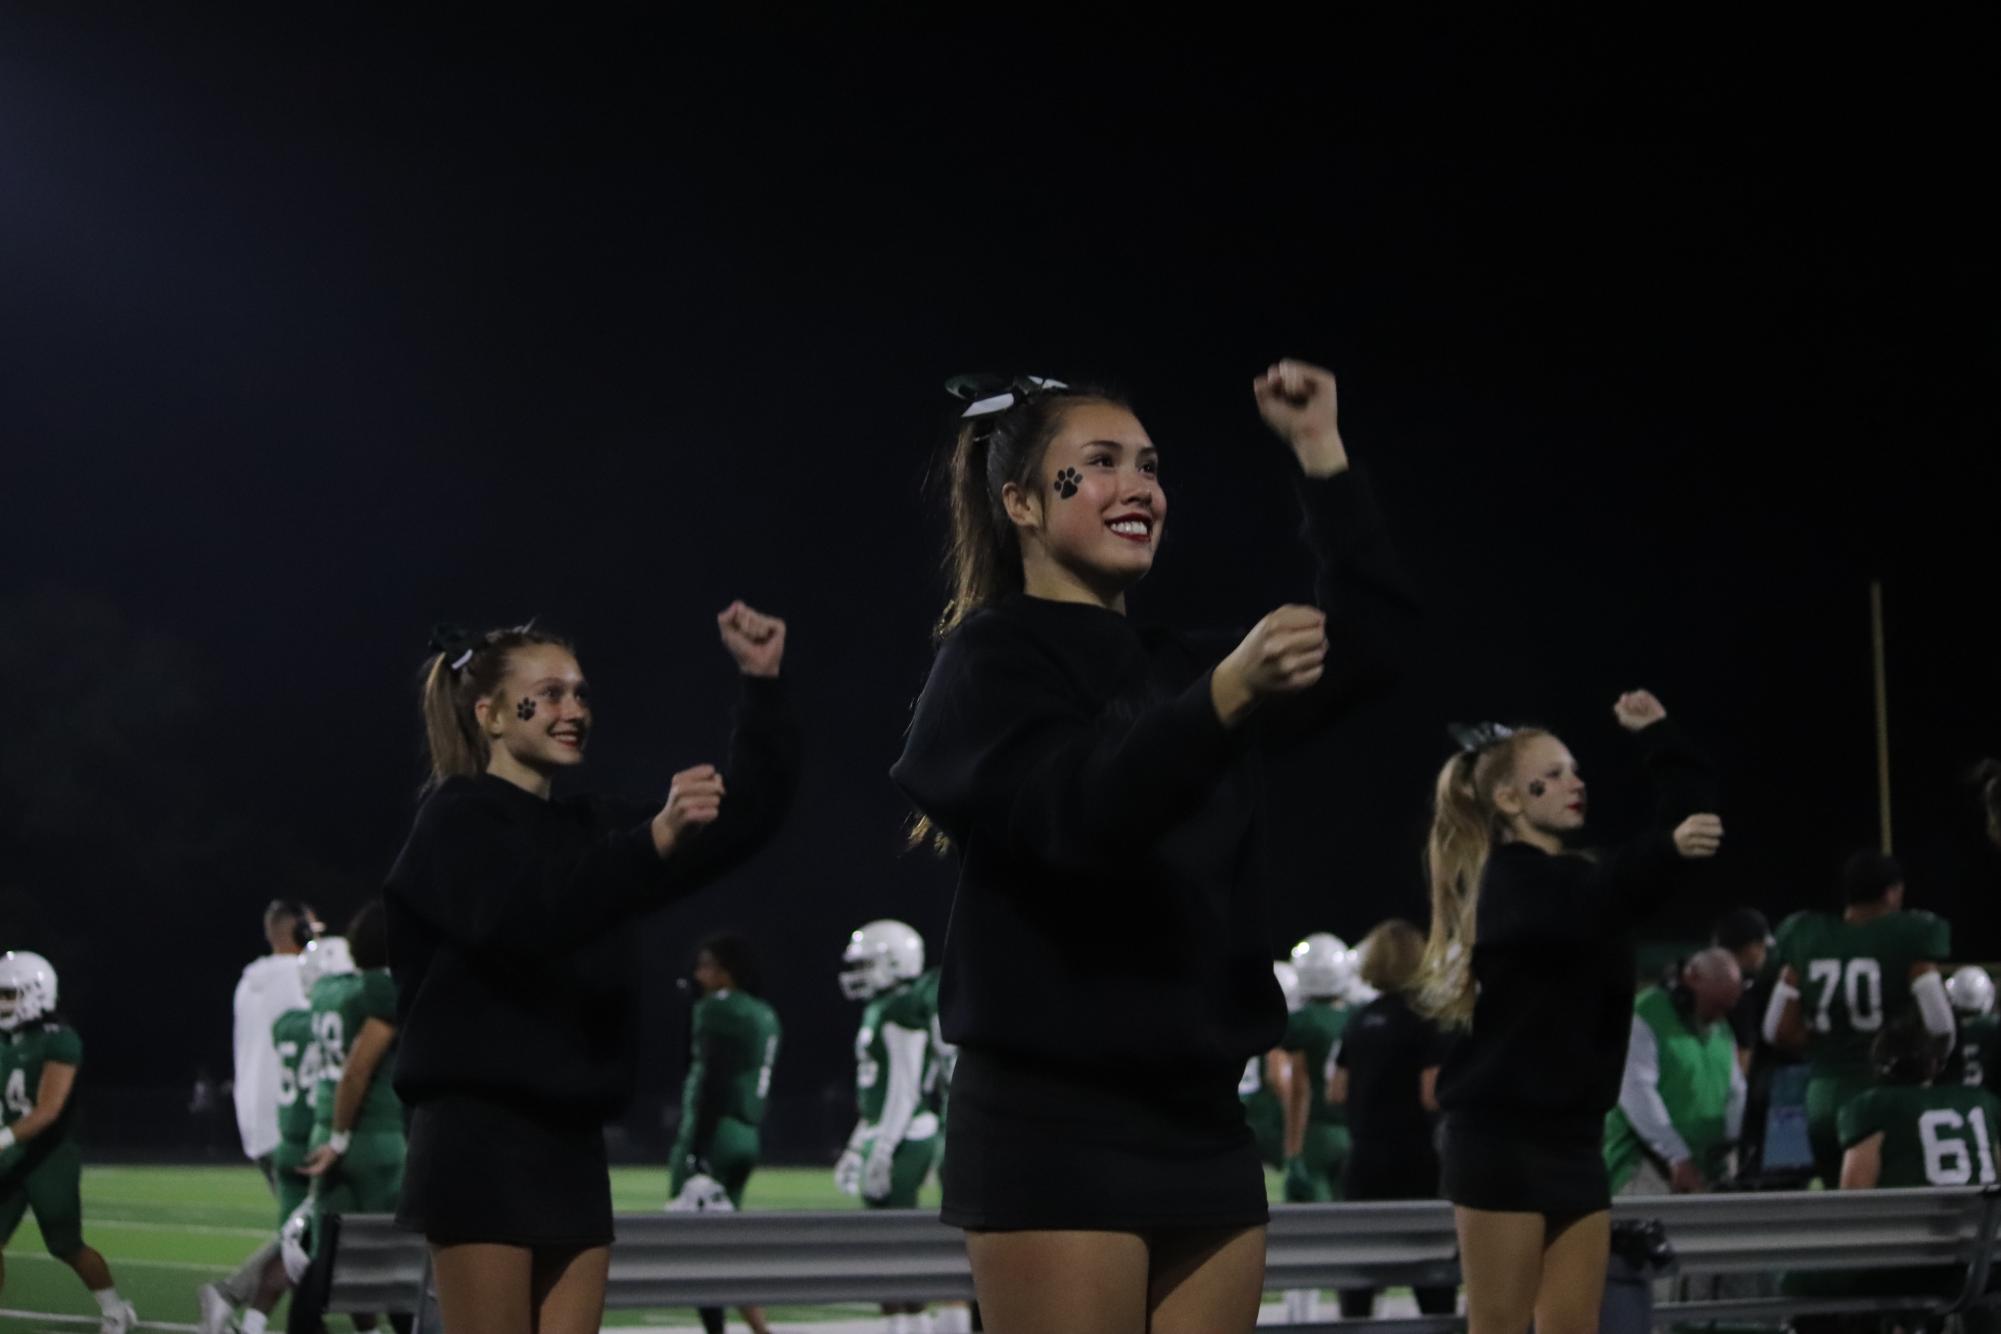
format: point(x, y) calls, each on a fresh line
point(369, 1179)
point(907, 1170)
point(731, 1158)
point(53, 1188)
point(1825, 1097)
point(291, 1187)
point(1315, 1176)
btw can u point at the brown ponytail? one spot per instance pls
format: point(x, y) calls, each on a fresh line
point(1465, 826)
point(464, 670)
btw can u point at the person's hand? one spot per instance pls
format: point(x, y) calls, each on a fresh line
point(755, 640)
point(1638, 710)
point(694, 799)
point(848, 1173)
point(1283, 654)
point(320, 1161)
point(1299, 403)
point(878, 1173)
point(1685, 1178)
point(1699, 836)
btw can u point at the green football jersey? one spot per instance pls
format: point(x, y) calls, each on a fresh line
point(298, 1075)
point(1938, 1135)
point(895, 1063)
point(1315, 1029)
point(1976, 1053)
point(23, 1054)
point(341, 1004)
point(1852, 977)
point(735, 1047)
point(943, 1054)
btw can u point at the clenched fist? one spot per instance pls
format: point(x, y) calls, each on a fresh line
point(1298, 402)
point(1699, 836)
point(1284, 653)
point(755, 640)
point(1638, 710)
point(694, 799)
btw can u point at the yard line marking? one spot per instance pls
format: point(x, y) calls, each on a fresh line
point(127, 1263)
point(95, 1319)
point(192, 1229)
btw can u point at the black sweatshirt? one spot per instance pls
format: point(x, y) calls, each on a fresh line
point(1554, 958)
point(511, 932)
point(1109, 917)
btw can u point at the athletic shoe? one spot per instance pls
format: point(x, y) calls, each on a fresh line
point(216, 1310)
point(119, 1321)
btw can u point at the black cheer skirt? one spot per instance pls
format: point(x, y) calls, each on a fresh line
point(1556, 1169)
point(483, 1171)
point(1029, 1148)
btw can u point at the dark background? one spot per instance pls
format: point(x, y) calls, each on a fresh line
point(317, 329)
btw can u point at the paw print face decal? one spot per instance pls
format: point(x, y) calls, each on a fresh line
point(1068, 481)
point(525, 709)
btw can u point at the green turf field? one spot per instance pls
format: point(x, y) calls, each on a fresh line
point(166, 1230)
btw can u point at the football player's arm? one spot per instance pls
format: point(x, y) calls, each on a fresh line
point(1785, 1021)
point(848, 1167)
point(1298, 1103)
point(1862, 1164)
point(1427, 1088)
point(1934, 1006)
point(1337, 1087)
point(1640, 1097)
point(371, 1044)
point(1278, 1074)
point(906, 1048)
point(51, 1096)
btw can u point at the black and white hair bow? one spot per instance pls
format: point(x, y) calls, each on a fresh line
point(987, 394)
point(1472, 738)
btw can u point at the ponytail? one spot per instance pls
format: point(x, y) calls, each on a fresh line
point(1465, 826)
point(464, 670)
point(983, 553)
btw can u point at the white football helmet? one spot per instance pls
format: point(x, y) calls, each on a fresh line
point(1288, 982)
point(324, 957)
point(1971, 990)
point(1359, 992)
point(1326, 968)
point(27, 989)
point(880, 955)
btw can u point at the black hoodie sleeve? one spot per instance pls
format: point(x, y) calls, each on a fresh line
point(1372, 608)
point(495, 883)
point(1004, 751)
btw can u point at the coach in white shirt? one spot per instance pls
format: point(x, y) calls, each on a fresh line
point(269, 987)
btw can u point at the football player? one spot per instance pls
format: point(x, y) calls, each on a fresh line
point(1974, 1055)
point(895, 1142)
point(733, 1050)
point(357, 1146)
point(1841, 977)
point(1316, 1129)
point(1267, 1079)
point(41, 1163)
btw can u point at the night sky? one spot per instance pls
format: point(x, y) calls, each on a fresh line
point(315, 330)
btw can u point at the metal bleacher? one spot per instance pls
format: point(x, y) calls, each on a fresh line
point(695, 1259)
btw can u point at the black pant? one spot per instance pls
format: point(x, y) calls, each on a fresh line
point(1399, 1169)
